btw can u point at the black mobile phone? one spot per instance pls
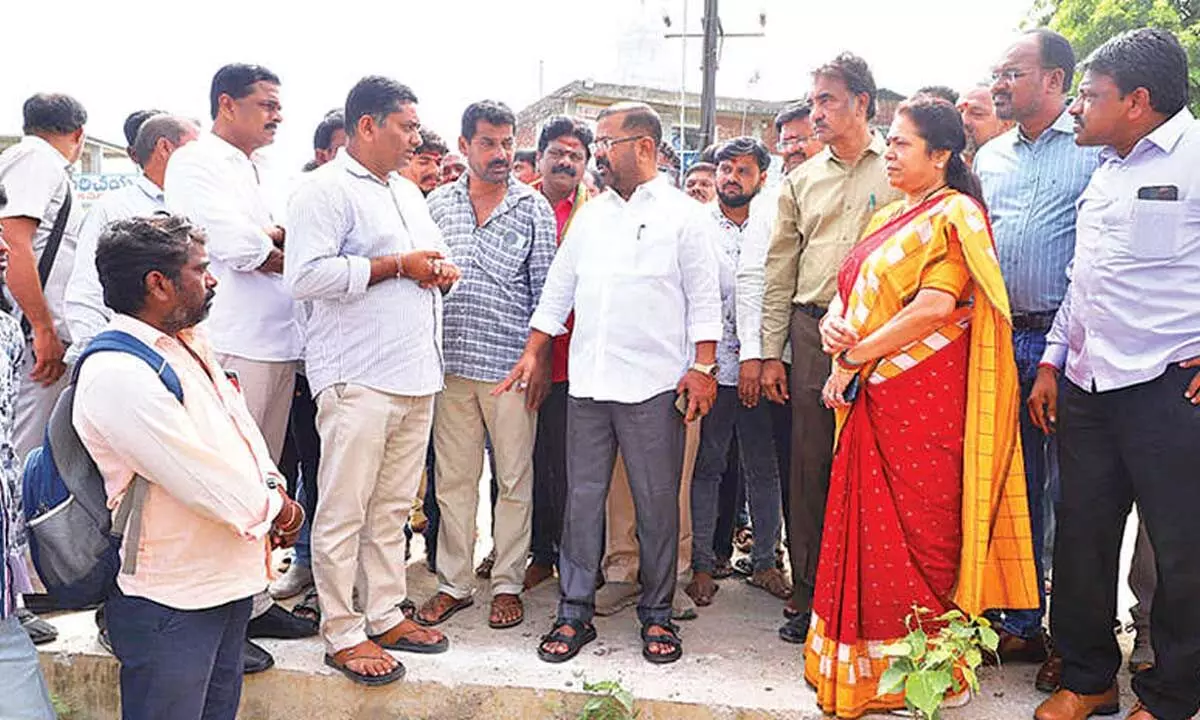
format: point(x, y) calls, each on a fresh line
point(1158, 192)
point(850, 394)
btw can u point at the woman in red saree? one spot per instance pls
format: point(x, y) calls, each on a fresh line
point(927, 502)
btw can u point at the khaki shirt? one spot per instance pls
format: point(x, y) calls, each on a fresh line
point(823, 207)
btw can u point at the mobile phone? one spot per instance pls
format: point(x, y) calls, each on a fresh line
point(850, 394)
point(1158, 192)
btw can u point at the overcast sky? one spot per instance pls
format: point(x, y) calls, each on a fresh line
point(121, 55)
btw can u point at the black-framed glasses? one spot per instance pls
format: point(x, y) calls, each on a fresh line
point(606, 144)
point(1011, 75)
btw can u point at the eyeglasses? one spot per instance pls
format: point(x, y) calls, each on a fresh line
point(606, 144)
point(794, 141)
point(1011, 75)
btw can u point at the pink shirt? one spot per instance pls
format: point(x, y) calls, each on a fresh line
point(206, 516)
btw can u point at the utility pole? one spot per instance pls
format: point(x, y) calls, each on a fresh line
point(714, 36)
point(708, 94)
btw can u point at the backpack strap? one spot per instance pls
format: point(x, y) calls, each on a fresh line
point(127, 521)
point(119, 341)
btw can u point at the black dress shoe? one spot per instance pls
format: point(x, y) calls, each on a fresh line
point(279, 623)
point(256, 659)
point(795, 631)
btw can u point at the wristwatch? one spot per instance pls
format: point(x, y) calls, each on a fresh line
point(705, 368)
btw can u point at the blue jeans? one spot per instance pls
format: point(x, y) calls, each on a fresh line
point(178, 664)
point(752, 427)
point(302, 458)
point(23, 691)
point(1041, 483)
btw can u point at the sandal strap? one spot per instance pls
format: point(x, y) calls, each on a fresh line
point(672, 639)
point(557, 635)
point(366, 650)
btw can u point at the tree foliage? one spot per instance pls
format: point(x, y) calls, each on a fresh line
point(1088, 23)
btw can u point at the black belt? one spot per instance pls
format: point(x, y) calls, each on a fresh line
point(811, 310)
point(1033, 321)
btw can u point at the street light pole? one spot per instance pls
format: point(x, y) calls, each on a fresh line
point(708, 95)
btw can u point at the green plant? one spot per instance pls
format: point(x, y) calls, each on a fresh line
point(62, 708)
point(609, 701)
point(924, 664)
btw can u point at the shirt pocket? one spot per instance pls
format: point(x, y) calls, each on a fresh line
point(506, 252)
point(1156, 228)
point(656, 252)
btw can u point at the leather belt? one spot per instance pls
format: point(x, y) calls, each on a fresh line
point(811, 310)
point(1033, 321)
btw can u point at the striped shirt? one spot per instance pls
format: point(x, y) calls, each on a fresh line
point(85, 310)
point(1031, 188)
point(504, 262)
point(385, 336)
point(14, 575)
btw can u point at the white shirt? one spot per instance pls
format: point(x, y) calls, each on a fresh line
point(386, 336)
point(36, 179)
point(751, 275)
point(217, 187)
point(1133, 305)
point(642, 276)
point(84, 305)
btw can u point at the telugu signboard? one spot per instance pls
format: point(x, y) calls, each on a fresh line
point(90, 187)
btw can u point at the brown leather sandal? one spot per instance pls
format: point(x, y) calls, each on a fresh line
point(403, 637)
point(772, 581)
point(365, 650)
point(442, 607)
point(504, 602)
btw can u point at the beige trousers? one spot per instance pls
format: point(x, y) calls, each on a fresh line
point(372, 452)
point(34, 404)
point(621, 556)
point(462, 412)
point(268, 388)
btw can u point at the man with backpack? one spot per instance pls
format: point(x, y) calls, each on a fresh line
point(23, 692)
point(208, 503)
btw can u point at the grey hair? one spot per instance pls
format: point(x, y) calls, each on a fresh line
point(155, 128)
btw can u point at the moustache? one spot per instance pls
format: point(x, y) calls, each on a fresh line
point(563, 170)
point(271, 126)
point(498, 165)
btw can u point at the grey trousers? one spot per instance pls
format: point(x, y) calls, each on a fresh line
point(756, 450)
point(1143, 578)
point(650, 437)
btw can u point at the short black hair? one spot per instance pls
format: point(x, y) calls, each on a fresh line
point(493, 112)
point(376, 96)
point(637, 116)
point(561, 126)
point(333, 121)
point(129, 250)
point(942, 92)
point(156, 128)
point(742, 146)
point(700, 167)
point(1149, 58)
point(855, 75)
point(796, 111)
point(3, 197)
point(709, 154)
point(1056, 54)
point(431, 143)
point(669, 155)
point(134, 122)
point(237, 81)
point(526, 156)
point(54, 114)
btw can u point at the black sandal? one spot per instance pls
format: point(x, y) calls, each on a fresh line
point(309, 607)
point(584, 634)
point(671, 639)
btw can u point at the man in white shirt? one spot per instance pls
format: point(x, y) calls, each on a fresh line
point(643, 244)
point(216, 182)
point(157, 139)
point(368, 256)
point(36, 174)
point(40, 224)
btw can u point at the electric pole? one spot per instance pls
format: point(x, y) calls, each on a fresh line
point(714, 36)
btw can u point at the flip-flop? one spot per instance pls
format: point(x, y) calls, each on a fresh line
point(403, 644)
point(448, 613)
point(366, 650)
point(584, 634)
point(511, 623)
